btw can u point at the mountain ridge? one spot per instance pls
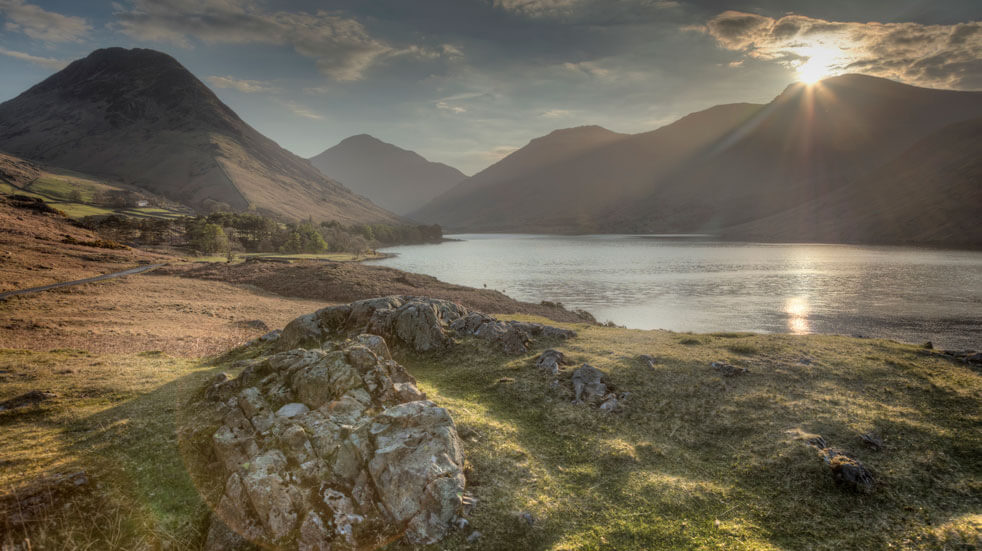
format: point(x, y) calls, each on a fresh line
point(717, 170)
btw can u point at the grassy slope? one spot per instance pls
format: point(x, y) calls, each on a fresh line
point(690, 449)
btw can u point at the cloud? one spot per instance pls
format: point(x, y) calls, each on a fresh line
point(245, 86)
point(449, 107)
point(301, 110)
point(50, 63)
point(593, 10)
point(555, 113)
point(341, 47)
point(41, 24)
point(943, 56)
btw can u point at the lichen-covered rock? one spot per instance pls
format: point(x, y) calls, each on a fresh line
point(551, 361)
point(332, 449)
point(419, 323)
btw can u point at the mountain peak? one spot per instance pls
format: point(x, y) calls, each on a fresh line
point(396, 178)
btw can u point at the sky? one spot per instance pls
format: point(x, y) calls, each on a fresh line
point(465, 82)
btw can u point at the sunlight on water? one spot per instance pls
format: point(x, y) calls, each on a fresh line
point(797, 310)
point(692, 284)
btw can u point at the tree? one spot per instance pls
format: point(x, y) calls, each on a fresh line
point(75, 196)
point(210, 238)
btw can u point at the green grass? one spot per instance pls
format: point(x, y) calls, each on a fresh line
point(115, 417)
point(695, 460)
point(78, 210)
point(59, 187)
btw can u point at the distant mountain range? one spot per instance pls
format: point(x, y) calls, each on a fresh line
point(138, 116)
point(851, 159)
point(395, 178)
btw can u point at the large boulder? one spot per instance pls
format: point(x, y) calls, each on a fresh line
point(421, 324)
point(332, 448)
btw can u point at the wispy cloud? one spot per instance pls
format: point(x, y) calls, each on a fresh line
point(341, 47)
point(445, 106)
point(36, 22)
point(555, 113)
point(947, 56)
point(50, 63)
point(301, 110)
point(245, 86)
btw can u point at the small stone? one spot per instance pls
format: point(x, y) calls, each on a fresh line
point(728, 370)
point(872, 440)
point(289, 411)
point(475, 535)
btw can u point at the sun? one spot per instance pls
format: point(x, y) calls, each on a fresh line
point(820, 64)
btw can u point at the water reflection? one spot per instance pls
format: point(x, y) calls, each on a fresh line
point(913, 295)
point(797, 310)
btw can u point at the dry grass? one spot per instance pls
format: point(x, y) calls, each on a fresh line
point(181, 317)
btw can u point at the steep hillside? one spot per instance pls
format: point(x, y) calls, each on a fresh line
point(395, 178)
point(930, 194)
point(717, 169)
point(140, 117)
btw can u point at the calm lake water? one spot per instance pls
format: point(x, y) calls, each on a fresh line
point(690, 284)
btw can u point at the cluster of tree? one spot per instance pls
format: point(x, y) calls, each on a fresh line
point(147, 231)
point(222, 232)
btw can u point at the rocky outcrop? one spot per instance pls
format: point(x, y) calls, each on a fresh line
point(333, 447)
point(419, 323)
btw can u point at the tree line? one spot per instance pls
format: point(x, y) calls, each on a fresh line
point(224, 232)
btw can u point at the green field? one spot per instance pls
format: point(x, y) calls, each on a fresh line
point(57, 189)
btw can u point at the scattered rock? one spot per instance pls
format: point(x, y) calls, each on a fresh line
point(332, 449)
point(419, 323)
point(846, 470)
point(649, 360)
point(31, 398)
point(872, 440)
point(551, 361)
point(728, 370)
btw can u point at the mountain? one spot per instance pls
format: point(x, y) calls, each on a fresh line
point(928, 195)
point(140, 117)
point(395, 178)
point(720, 170)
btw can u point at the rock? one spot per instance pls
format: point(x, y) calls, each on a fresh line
point(648, 360)
point(419, 323)
point(475, 535)
point(292, 410)
point(846, 470)
point(928, 345)
point(872, 440)
point(32, 398)
point(550, 361)
point(527, 518)
point(333, 449)
point(589, 385)
point(728, 370)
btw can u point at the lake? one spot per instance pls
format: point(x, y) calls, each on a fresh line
point(694, 284)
